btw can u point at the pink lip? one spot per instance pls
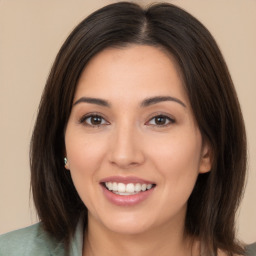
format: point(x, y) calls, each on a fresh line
point(126, 180)
point(127, 200)
point(130, 200)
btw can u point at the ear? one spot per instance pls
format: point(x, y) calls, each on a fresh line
point(206, 158)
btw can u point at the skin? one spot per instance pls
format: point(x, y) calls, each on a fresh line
point(128, 141)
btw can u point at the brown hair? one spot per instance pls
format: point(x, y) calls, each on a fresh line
point(216, 196)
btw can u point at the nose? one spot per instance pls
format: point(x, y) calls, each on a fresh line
point(126, 150)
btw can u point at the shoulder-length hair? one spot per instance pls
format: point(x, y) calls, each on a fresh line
point(216, 195)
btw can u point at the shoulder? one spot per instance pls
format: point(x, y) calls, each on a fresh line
point(251, 250)
point(29, 241)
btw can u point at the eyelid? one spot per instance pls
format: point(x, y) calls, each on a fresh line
point(92, 114)
point(82, 120)
point(160, 114)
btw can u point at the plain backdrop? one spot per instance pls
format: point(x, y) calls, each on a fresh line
point(31, 32)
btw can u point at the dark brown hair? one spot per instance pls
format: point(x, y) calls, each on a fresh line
point(215, 198)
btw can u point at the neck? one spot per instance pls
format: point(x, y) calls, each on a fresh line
point(163, 240)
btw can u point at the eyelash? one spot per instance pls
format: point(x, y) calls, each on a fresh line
point(165, 117)
point(85, 118)
point(84, 121)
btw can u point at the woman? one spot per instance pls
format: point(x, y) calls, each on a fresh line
point(139, 147)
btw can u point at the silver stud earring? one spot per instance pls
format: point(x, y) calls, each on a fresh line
point(65, 160)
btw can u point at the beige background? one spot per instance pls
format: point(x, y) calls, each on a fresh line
point(31, 33)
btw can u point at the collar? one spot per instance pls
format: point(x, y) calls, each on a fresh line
point(76, 245)
point(57, 248)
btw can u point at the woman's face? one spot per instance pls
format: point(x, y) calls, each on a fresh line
point(134, 149)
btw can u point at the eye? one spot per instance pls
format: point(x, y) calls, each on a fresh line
point(160, 120)
point(93, 120)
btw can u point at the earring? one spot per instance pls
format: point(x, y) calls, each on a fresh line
point(65, 161)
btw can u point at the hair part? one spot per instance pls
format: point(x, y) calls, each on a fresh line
point(213, 203)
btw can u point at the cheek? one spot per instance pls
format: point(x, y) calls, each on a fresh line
point(84, 153)
point(179, 153)
point(84, 156)
point(177, 160)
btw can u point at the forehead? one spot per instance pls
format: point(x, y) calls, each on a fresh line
point(136, 69)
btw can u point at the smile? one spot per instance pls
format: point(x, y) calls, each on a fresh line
point(127, 189)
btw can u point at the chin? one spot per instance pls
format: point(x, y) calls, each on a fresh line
point(127, 225)
point(128, 229)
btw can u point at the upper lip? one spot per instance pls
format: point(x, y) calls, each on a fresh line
point(126, 180)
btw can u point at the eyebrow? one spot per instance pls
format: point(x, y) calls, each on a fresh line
point(145, 103)
point(154, 100)
point(96, 101)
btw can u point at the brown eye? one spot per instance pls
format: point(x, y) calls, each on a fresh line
point(161, 120)
point(93, 120)
point(96, 120)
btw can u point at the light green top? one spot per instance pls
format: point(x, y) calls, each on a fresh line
point(34, 241)
point(251, 250)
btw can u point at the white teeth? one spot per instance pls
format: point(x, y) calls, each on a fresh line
point(121, 187)
point(127, 189)
point(130, 188)
point(138, 187)
point(109, 185)
point(124, 194)
point(143, 187)
point(114, 186)
point(149, 186)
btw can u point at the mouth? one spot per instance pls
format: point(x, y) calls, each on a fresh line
point(129, 189)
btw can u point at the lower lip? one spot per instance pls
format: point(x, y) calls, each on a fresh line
point(127, 200)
